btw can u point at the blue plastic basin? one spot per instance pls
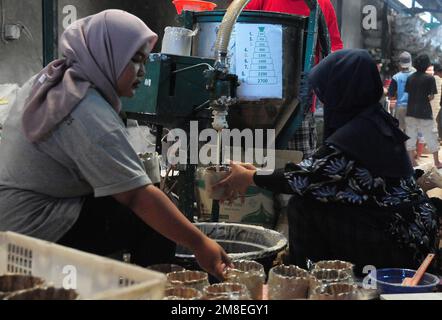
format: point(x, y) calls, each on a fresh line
point(389, 281)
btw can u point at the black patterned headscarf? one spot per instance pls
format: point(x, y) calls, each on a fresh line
point(349, 85)
point(347, 82)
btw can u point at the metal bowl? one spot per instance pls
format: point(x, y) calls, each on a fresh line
point(44, 294)
point(289, 283)
point(249, 273)
point(335, 291)
point(331, 276)
point(193, 279)
point(182, 293)
point(15, 282)
point(240, 241)
point(227, 291)
point(335, 265)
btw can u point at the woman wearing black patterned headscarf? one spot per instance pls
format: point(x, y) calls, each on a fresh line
point(356, 199)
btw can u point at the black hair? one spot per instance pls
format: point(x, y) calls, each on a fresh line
point(422, 63)
point(437, 67)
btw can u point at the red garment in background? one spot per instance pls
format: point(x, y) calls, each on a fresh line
point(300, 8)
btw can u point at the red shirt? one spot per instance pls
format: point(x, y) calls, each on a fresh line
point(299, 7)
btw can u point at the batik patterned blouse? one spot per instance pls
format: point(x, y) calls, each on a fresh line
point(411, 219)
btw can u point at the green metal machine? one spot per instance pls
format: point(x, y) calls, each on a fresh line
point(173, 93)
point(179, 89)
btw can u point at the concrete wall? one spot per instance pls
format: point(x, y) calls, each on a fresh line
point(22, 58)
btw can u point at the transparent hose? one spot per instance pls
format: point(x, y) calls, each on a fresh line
point(225, 30)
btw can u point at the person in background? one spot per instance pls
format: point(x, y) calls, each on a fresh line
point(421, 88)
point(436, 104)
point(299, 7)
point(305, 139)
point(380, 66)
point(68, 173)
point(396, 90)
point(356, 199)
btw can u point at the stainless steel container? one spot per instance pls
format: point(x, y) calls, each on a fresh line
point(182, 293)
point(266, 52)
point(226, 291)
point(11, 283)
point(240, 241)
point(289, 283)
point(249, 273)
point(193, 279)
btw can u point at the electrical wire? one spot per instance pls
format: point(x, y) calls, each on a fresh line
point(26, 30)
point(169, 192)
point(143, 137)
point(164, 138)
point(163, 183)
point(171, 189)
point(195, 66)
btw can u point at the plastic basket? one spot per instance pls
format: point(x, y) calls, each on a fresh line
point(92, 276)
point(193, 5)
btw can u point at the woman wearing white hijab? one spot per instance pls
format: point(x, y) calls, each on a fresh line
point(67, 171)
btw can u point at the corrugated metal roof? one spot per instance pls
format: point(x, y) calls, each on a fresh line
point(427, 4)
point(433, 4)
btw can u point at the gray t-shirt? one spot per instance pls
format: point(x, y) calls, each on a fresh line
point(43, 186)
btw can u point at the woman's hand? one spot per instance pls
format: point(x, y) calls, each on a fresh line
point(239, 180)
point(157, 211)
point(212, 258)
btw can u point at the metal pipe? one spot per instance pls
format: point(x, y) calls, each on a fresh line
point(50, 30)
point(195, 66)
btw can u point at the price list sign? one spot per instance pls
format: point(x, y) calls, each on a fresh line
point(259, 60)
